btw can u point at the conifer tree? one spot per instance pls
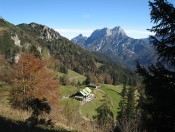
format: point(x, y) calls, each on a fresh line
point(123, 102)
point(130, 107)
point(159, 79)
point(105, 117)
point(127, 120)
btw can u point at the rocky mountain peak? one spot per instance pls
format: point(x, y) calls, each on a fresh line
point(80, 40)
point(101, 33)
point(106, 32)
point(118, 30)
point(116, 44)
point(80, 35)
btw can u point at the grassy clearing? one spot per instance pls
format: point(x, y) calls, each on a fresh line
point(73, 76)
point(68, 90)
point(114, 94)
point(89, 109)
point(64, 101)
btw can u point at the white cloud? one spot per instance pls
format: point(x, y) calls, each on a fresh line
point(138, 33)
point(71, 33)
point(74, 30)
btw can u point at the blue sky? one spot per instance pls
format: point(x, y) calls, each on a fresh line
point(72, 17)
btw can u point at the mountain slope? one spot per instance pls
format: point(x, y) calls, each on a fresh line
point(45, 42)
point(116, 44)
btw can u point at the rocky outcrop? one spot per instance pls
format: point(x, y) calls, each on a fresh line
point(45, 32)
point(16, 40)
point(48, 34)
point(16, 58)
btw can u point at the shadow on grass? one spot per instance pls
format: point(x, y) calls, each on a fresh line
point(7, 125)
point(115, 91)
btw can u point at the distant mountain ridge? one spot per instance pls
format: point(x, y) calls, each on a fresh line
point(116, 44)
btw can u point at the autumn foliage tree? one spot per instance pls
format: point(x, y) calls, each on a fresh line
point(32, 80)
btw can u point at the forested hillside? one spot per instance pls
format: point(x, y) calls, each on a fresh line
point(46, 42)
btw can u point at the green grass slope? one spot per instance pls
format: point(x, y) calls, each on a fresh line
point(89, 109)
point(73, 76)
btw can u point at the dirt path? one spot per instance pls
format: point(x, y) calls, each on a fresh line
point(84, 117)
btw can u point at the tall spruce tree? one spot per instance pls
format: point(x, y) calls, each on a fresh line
point(130, 108)
point(127, 120)
point(122, 103)
point(105, 116)
point(159, 79)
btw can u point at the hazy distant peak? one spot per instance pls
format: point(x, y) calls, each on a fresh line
point(80, 39)
point(81, 35)
point(101, 33)
point(118, 30)
point(108, 32)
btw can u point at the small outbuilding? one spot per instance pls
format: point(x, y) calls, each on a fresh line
point(82, 94)
point(93, 85)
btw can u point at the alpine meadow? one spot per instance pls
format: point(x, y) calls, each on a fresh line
point(87, 66)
